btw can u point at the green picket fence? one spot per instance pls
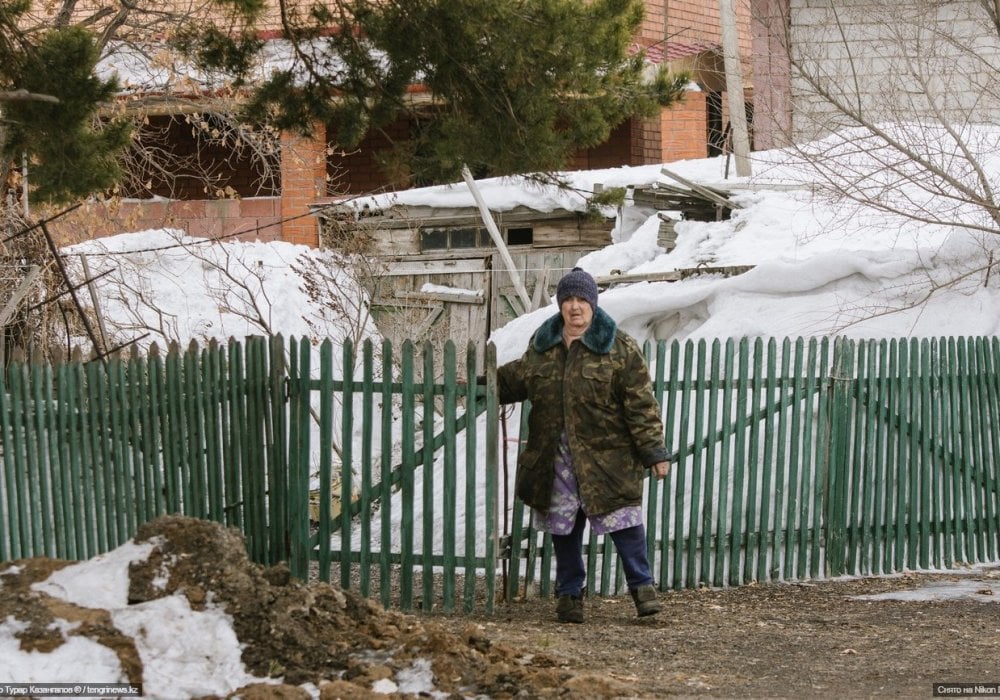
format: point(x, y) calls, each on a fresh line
point(382, 469)
point(810, 458)
point(92, 450)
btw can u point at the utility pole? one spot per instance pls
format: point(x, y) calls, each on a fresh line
point(734, 87)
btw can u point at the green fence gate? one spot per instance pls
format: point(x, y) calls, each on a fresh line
point(413, 517)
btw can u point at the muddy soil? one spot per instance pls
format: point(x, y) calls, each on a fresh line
point(815, 640)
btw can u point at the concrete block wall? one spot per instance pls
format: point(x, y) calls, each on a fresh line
point(771, 74)
point(880, 54)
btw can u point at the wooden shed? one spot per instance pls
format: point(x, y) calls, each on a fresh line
point(440, 275)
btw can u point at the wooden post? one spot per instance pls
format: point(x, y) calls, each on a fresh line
point(491, 226)
point(95, 300)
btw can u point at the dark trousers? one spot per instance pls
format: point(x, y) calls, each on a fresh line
point(570, 571)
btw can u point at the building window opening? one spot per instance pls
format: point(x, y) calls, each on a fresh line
point(524, 235)
point(463, 237)
point(433, 239)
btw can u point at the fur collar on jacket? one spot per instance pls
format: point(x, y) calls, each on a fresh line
point(599, 336)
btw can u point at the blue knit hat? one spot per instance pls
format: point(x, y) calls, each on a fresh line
point(577, 283)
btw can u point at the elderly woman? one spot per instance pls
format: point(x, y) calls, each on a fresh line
point(594, 430)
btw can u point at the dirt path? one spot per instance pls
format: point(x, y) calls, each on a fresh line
point(773, 640)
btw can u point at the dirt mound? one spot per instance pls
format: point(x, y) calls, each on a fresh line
point(314, 633)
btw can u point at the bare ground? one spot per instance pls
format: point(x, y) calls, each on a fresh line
point(773, 640)
point(816, 640)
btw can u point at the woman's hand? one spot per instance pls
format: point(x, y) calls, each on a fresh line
point(660, 469)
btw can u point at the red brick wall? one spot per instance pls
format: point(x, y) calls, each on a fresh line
point(653, 22)
point(303, 181)
point(693, 21)
point(647, 142)
point(243, 219)
point(684, 128)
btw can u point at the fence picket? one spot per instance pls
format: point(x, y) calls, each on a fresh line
point(10, 546)
point(979, 412)
point(449, 510)
point(750, 520)
point(793, 490)
point(471, 469)
point(427, 423)
point(367, 430)
point(816, 563)
point(926, 444)
point(326, 451)
point(406, 526)
point(767, 526)
point(709, 540)
point(346, 454)
point(990, 464)
point(681, 535)
point(54, 525)
point(385, 485)
point(156, 437)
point(695, 553)
point(866, 460)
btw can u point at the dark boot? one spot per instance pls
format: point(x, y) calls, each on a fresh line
point(570, 608)
point(645, 601)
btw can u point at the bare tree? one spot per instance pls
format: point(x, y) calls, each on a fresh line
point(894, 104)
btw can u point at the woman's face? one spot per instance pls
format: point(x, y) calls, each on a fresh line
point(577, 314)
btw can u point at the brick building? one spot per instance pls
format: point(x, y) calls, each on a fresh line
point(683, 33)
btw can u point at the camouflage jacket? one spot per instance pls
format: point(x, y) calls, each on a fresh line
point(599, 392)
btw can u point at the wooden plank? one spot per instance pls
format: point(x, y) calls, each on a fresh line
point(456, 297)
point(752, 530)
point(784, 496)
point(17, 376)
point(457, 266)
point(325, 459)
point(701, 189)
point(710, 498)
point(117, 421)
point(681, 517)
point(471, 468)
point(22, 289)
point(492, 471)
point(767, 463)
point(672, 275)
point(43, 503)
